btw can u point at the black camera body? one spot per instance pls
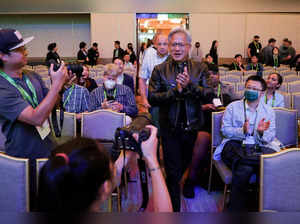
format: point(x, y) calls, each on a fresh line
point(76, 69)
point(124, 136)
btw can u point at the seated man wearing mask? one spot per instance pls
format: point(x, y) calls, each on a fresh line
point(113, 96)
point(248, 128)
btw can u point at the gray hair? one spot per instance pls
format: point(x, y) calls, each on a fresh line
point(180, 30)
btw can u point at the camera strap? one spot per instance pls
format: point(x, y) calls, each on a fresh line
point(144, 184)
point(56, 128)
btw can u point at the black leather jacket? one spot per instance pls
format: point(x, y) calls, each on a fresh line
point(163, 93)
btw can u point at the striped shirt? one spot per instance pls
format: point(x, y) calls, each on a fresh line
point(124, 96)
point(151, 59)
point(78, 100)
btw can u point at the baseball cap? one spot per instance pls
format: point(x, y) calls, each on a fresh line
point(11, 39)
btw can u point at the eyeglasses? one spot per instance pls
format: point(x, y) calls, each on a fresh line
point(181, 45)
point(253, 88)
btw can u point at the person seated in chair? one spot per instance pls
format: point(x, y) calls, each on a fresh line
point(123, 79)
point(113, 96)
point(217, 96)
point(272, 97)
point(75, 98)
point(254, 65)
point(85, 81)
point(276, 59)
point(208, 64)
point(248, 127)
point(237, 64)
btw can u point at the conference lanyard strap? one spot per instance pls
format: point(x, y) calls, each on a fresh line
point(32, 100)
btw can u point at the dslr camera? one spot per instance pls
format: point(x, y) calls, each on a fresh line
point(123, 136)
point(76, 69)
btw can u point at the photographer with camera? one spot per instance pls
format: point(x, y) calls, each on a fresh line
point(113, 96)
point(25, 102)
point(79, 176)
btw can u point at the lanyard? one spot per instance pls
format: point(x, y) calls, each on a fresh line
point(256, 68)
point(69, 95)
point(256, 45)
point(275, 61)
point(115, 93)
point(246, 117)
point(235, 66)
point(273, 99)
point(219, 91)
point(32, 100)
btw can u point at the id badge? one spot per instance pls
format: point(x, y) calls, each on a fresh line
point(250, 140)
point(257, 50)
point(45, 130)
point(217, 102)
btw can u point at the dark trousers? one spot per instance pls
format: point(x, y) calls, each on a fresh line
point(177, 148)
point(241, 174)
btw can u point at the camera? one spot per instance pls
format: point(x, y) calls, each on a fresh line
point(76, 69)
point(124, 136)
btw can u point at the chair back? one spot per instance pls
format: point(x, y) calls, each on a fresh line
point(291, 78)
point(14, 182)
point(280, 181)
point(39, 164)
point(284, 87)
point(216, 128)
point(286, 126)
point(296, 101)
point(232, 78)
point(2, 139)
point(101, 124)
point(294, 87)
point(287, 99)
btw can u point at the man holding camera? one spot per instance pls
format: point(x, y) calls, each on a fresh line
point(25, 101)
point(174, 88)
point(113, 96)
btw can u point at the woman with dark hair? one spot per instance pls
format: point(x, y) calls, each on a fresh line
point(272, 97)
point(79, 176)
point(276, 60)
point(142, 52)
point(131, 53)
point(82, 55)
point(52, 54)
point(214, 51)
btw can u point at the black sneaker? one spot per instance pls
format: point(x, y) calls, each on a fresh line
point(188, 189)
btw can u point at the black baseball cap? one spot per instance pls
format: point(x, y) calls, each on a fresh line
point(11, 39)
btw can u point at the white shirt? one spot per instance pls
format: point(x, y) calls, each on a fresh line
point(276, 101)
point(151, 59)
point(234, 119)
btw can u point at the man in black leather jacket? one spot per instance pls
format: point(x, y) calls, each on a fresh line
point(174, 88)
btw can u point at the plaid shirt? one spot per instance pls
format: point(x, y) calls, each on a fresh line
point(124, 96)
point(78, 100)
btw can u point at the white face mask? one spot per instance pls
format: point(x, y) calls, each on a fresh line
point(109, 84)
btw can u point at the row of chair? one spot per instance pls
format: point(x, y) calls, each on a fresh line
point(287, 134)
point(14, 172)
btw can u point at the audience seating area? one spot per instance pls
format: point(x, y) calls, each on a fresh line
point(95, 72)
